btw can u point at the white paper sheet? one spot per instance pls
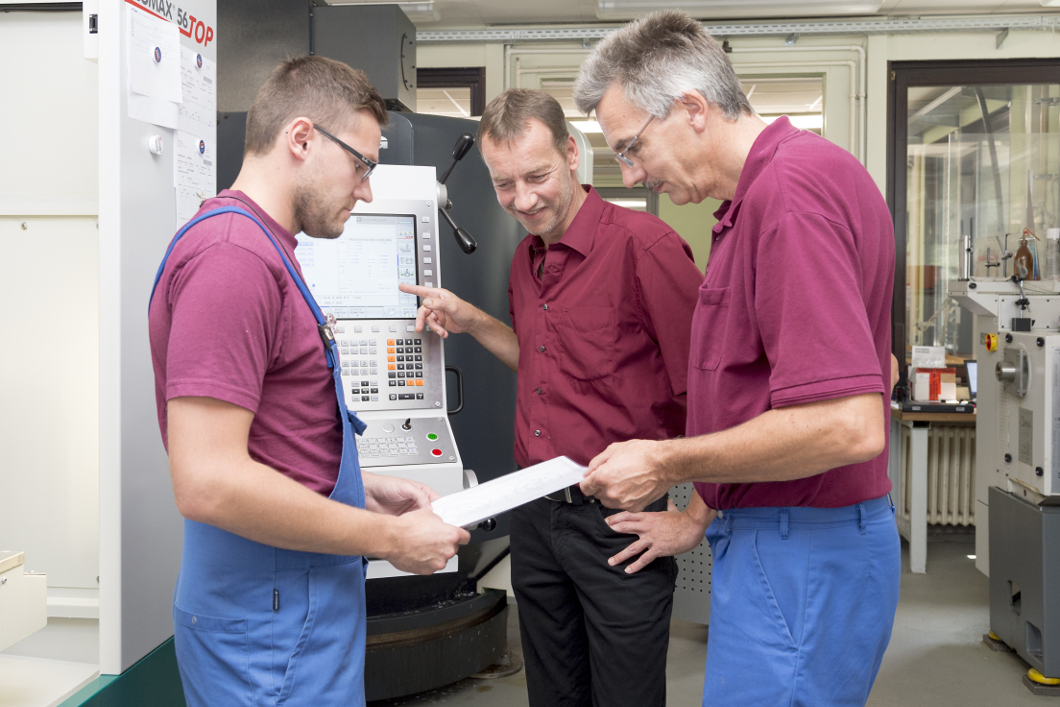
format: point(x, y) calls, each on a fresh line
point(153, 110)
point(154, 56)
point(194, 173)
point(198, 80)
point(194, 161)
point(475, 504)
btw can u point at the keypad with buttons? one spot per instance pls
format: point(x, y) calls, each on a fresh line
point(369, 447)
point(382, 360)
point(405, 440)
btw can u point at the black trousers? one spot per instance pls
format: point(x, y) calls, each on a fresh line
point(591, 634)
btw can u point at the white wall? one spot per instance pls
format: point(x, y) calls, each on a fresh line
point(49, 116)
point(49, 360)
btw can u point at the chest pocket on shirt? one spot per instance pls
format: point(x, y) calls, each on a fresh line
point(586, 342)
point(708, 328)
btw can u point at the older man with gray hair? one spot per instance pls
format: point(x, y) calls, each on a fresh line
point(787, 377)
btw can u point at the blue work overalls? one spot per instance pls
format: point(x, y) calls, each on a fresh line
point(258, 625)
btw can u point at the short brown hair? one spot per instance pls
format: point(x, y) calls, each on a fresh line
point(507, 115)
point(321, 89)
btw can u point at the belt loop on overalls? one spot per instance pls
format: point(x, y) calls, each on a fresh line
point(783, 523)
point(729, 518)
point(861, 518)
point(891, 501)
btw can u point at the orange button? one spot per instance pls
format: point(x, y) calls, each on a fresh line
point(391, 350)
point(389, 342)
point(392, 366)
point(391, 358)
point(419, 381)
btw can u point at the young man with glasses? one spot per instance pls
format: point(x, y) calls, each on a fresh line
point(269, 604)
point(601, 303)
point(788, 403)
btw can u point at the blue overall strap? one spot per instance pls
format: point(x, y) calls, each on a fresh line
point(313, 307)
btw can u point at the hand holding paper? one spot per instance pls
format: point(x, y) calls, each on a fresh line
point(627, 475)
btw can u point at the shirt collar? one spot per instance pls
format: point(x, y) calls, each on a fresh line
point(279, 231)
point(761, 154)
point(580, 234)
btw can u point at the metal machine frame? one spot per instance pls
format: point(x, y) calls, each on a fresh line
point(1018, 460)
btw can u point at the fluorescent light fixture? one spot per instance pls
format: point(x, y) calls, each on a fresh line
point(587, 126)
point(971, 557)
point(630, 9)
point(803, 122)
point(420, 11)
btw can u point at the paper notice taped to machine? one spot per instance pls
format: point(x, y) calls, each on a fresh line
point(154, 56)
point(476, 504)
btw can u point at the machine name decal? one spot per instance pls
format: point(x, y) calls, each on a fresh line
point(187, 23)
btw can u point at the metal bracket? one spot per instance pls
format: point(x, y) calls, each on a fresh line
point(1001, 37)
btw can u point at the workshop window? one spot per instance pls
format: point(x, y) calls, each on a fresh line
point(460, 93)
point(974, 151)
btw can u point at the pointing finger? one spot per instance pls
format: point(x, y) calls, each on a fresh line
point(418, 290)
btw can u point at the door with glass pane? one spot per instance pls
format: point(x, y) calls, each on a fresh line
point(975, 152)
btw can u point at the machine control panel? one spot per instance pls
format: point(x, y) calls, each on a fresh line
point(393, 377)
point(386, 364)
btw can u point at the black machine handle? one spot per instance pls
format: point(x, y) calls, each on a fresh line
point(462, 147)
point(459, 389)
point(463, 238)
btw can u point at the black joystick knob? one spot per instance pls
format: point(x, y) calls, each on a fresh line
point(488, 525)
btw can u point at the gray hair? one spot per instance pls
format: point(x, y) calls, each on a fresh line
point(655, 60)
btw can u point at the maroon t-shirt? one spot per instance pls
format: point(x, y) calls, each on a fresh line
point(227, 322)
point(603, 333)
point(795, 307)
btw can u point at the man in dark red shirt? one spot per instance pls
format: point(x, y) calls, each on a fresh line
point(787, 383)
point(601, 304)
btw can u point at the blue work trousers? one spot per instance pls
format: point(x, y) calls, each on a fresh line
point(802, 604)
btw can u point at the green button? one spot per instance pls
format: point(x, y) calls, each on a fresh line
point(431, 436)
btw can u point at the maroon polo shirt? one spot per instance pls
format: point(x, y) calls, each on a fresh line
point(227, 322)
point(603, 333)
point(795, 307)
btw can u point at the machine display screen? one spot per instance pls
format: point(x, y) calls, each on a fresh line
point(356, 275)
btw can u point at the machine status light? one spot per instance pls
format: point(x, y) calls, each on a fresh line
point(432, 436)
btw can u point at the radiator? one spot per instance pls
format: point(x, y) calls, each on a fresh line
point(950, 475)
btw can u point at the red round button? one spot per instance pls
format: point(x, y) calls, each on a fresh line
point(436, 452)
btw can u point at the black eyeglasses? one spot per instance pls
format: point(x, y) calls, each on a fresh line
point(369, 165)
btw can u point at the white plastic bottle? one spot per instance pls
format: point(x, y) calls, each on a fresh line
point(1052, 254)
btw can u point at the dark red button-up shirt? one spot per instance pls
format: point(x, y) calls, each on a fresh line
point(603, 333)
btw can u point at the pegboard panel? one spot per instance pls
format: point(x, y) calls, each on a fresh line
point(692, 594)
